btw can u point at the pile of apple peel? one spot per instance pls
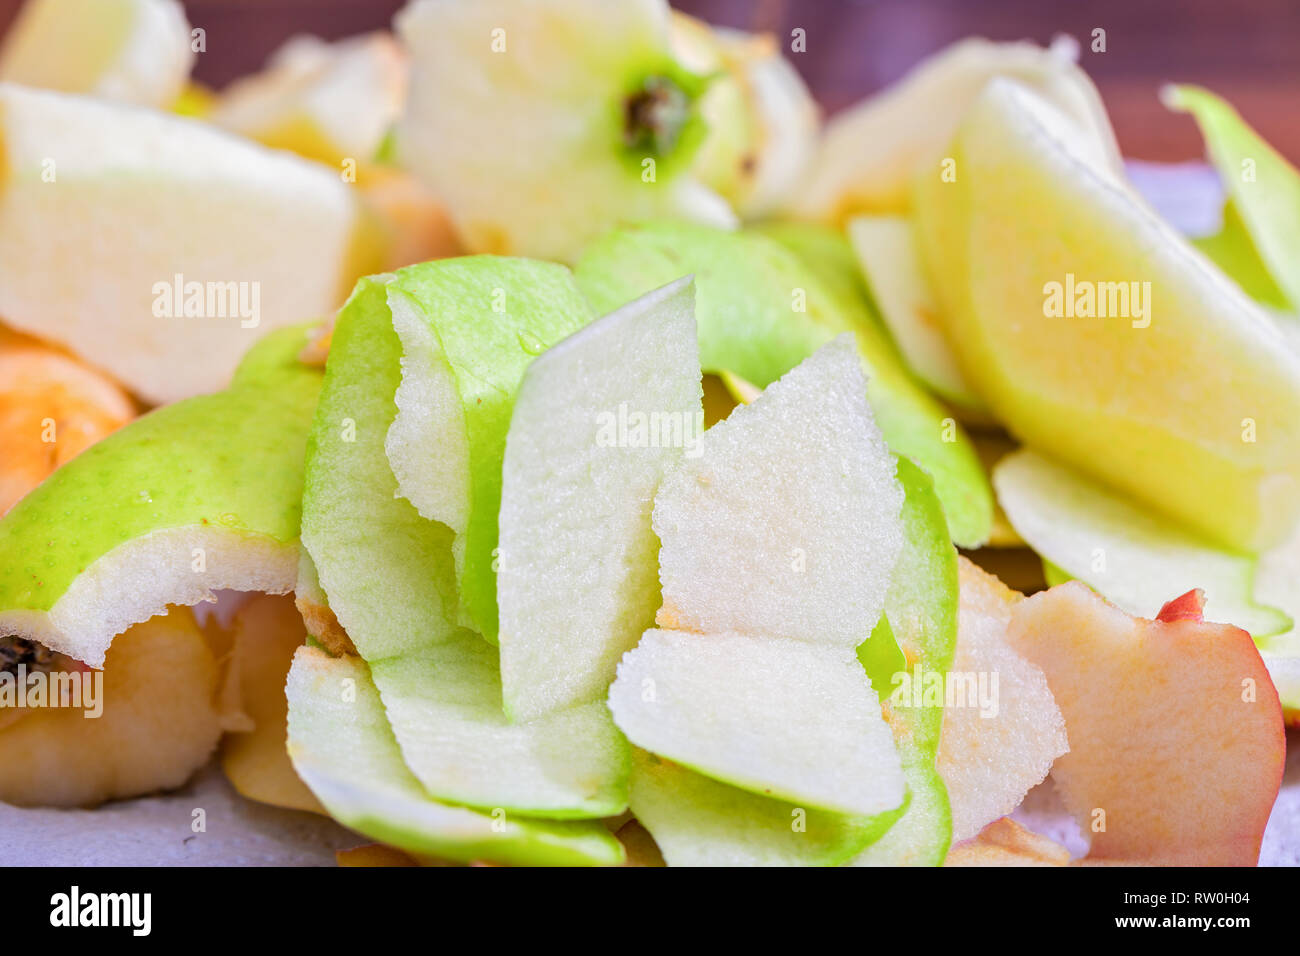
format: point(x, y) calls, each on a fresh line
point(631, 536)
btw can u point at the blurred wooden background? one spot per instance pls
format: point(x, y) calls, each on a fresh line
point(1247, 50)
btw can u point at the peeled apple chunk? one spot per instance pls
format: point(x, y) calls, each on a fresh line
point(158, 724)
point(545, 122)
point(770, 715)
point(193, 498)
point(388, 575)
point(697, 821)
point(212, 241)
point(1005, 730)
point(870, 152)
point(1263, 188)
point(327, 101)
point(1187, 394)
point(787, 524)
point(598, 420)
point(1176, 737)
point(469, 329)
point(342, 747)
point(132, 51)
point(767, 299)
point(1134, 558)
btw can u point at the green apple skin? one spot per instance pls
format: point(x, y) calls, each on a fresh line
point(227, 466)
point(578, 579)
point(445, 709)
point(921, 616)
point(492, 316)
point(698, 821)
point(342, 747)
point(1233, 251)
point(1264, 189)
point(353, 517)
point(753, 324)
point(389, 575)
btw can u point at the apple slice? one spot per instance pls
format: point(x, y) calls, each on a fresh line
point(774, 716)
point(444, 705)
point(1176, 737)
point(1132, 557)
point(195, 497)
point(469, 328)
point(1004, 842)
point(1033, 221)
point(51, 408)
point(688, 693)
point(870, 152)
point(697, 821)
point(887, 251)
point(996, 747)
point(172, 303)
point(763, 306)
point(916, 637)
point(352, 513)
point(267, 631)
point(158, 723)
point(818, 565)
point(389, 578)
point(133, 51)
point(342, 747)
point(544, 123)
point(330, 102)
point(922, 598)
point(1263, 188)
point(578, 582)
